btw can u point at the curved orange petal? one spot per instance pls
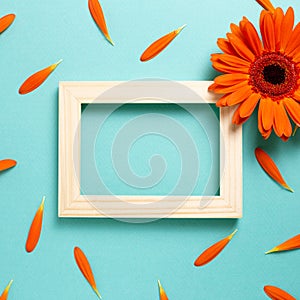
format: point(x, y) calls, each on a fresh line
point(223, 100)
point(6, 21)
point(230, 79)
point(294, 41)
point(266, 106)
point(293, 109)
point(213, 251)
point(7, 164)
point(267, 32)
point(287, 28)
point(251, 36)
point(162, 293)
point(225, 46)
point(35, 229)
point(266, 4)
point(85, 268)
point(225, 68)
point(278, 17)
point(235, 29)
point(159, 45)
point(240, 95)
point(265, 133)
point(237, 119)
point(219, 89)
point(38, 78)
point(276, 293)
point(296, 95)
point(282, 125)
point(248, 106)
point(230, 60)
point(240, 47)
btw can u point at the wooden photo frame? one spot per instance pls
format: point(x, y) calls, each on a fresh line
point(72, 95)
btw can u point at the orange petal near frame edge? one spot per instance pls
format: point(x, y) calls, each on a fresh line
point(162, 293)
point(98, 16)
point(276, 293)
point(159, 45)
point(5, 292)
point(6, 21)
point(291, 244)
point(35, 80)
point(7, 164)
point(269, 166)
point(213, 251)
point(35, 229)
point(267, 5)
point(85, 268)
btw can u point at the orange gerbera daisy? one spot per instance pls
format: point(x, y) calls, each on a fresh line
point(265, 72)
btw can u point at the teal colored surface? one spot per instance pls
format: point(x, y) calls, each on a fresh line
point(141, 148)
point(127, 259)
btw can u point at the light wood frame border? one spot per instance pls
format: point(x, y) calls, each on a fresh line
point(71, 204)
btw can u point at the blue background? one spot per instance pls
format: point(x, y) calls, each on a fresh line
point(127, 259)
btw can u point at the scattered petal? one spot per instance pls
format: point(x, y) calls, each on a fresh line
point(85, 268)
point(291, 244)
point(276, 293)
point(5, 292)
point(7, 164)
point(269, 166)
point(160, 44)
point(35, 80)
point(98, 16)
point(162, 293)
point(6, 21)
point(35, 228)
point(210, 253)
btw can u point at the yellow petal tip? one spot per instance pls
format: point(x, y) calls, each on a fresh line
point(97, 293)
point(232, 235)
point(110, 40)
point(271, 251)
point(178, 30)
point(288, 188)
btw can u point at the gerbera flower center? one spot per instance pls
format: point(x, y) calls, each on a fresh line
point(274, 75)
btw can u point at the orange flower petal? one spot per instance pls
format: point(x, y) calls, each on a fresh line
point(5, 292)
point(98, 16)
point(35, 229)
point(268, 32)
point(223, 101)
point(276, 293)
point(240, 47)
point(267, 113)
point(162, 293)
point(240, 95)
point(7, 164)
point(248, 106)
point(291, 244)
point(269, 166)
point(266, 4)
point(85, 268)
point(282, 125)
point(219, 89)
point(278, 18)
point(35, 80)
point(293, 109)
point(230, 60)
point(265, 133)
point(6, 21)
point(251, 36)
point(160, 44)
point(287, 28)
point(237, 119)
point(213, 251)
point(225, 46)
point(294, 41)
point(231, 79)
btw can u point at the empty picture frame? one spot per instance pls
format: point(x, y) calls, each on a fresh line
point(72, 203)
